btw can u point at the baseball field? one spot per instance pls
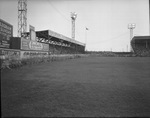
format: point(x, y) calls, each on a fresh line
point(90, 86)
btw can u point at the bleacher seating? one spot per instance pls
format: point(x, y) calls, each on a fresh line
point(142, 51)
point(141, 45)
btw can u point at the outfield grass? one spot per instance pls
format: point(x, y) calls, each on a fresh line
point(98, 86)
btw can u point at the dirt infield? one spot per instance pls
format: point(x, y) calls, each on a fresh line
point(92, 86)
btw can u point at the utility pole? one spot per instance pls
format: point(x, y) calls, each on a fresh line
point(22, 17)
point(149, 17)
point(86, 29)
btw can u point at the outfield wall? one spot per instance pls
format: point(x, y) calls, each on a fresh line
point(15, 58)
point(10, 53)
point(22, 54)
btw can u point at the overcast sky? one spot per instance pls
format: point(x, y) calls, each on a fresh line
point(107, 20)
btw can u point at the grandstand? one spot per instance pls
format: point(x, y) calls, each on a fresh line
point(141, 45)
point(58, 44)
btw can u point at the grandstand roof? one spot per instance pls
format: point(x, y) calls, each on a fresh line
point(53, 36)
point(141, 38)
point(57, 36)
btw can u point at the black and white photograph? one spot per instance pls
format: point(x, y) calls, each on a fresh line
point(75, 58)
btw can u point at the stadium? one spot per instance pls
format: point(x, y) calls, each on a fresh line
point(47, 74)
point(45, 42)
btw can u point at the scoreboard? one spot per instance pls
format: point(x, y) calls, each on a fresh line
point(6, 31)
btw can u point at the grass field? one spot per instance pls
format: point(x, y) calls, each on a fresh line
point(93, 86)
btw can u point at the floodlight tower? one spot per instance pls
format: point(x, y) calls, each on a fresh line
point(73, 17)
point(131, 26)
point(22, 17)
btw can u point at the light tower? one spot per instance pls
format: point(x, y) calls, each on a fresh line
point(131, 27)
point(22, 17)
point(73, 17)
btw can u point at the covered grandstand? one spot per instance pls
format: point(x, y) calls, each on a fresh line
point(58, 44)
point(141, 45)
